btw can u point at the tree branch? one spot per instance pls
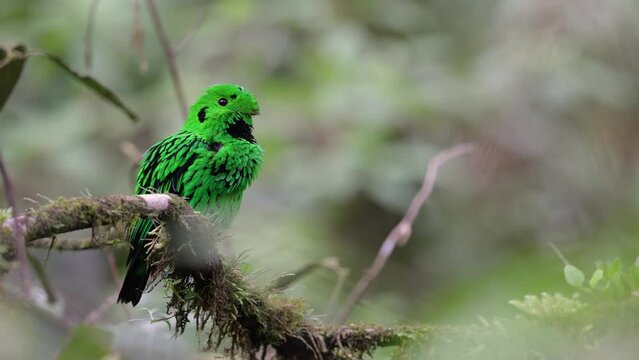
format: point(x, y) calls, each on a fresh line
point(169, 54)
point(402, 231)
point(74, 244)
point(206, 289)
point(64, 215)
point(98, 312)
point(137, 38)
point(88, 35)
point(38, 268)
point(18, 233)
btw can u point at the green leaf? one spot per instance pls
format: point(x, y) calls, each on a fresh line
point(91, 83)
point(12, 59)
point(246, 267)
point(574, 276)
point(633, 277)
point(596, 278)
point(614, 268)
point(87, 342)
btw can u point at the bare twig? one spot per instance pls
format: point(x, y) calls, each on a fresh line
point(12, 296)
point(191, 33)
point(137, 38)
point(266, 319)
point(169, 54)
point(132, 153)
point(341, 274)
point(41, 274)
point(108, 253)
point(75, 244)
point(559, 254)
point(98, 312)
point(113, 267)
point(18, 232)
point(88, 35)
point(331, 263)
point(402, 231)
point(101, 237)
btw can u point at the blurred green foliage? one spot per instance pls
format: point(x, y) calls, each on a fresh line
point(87, 341)
point(356, 96)
point(609, 281)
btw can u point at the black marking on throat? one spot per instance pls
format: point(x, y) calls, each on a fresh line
point(241, 130)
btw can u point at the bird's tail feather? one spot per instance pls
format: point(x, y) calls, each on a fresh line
point(134, 283)
point(137, 274)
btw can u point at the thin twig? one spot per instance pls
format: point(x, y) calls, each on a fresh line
point(113, 267)
point(98, 312)
point(341, 275)
point(402, 231)
point(76, 244)
point(132, 153)
point(267, 319)
point(18, 233)
point(116, 277)
point(191, 33)
point(169, 54)
point(42, 275)
point(559, 254)
point(137, 38)
point(88, 35)
point(12, 296)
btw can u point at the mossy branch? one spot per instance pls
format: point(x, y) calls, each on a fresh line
point(69, 214)
point(202, 286)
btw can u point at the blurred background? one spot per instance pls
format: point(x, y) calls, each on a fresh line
point(355, 98)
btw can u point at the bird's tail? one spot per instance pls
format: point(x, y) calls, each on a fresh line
point(134, 283)
point(137, 274)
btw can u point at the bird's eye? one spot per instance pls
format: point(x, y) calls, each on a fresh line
point(222, 102)
point(201, 115)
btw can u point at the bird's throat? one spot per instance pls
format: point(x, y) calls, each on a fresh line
point(240, 129)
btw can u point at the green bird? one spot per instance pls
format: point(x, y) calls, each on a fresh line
point(210, 162)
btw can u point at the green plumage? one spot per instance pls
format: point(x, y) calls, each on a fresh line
point(210, 162)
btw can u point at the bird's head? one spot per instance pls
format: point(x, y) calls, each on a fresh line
point(223, 111)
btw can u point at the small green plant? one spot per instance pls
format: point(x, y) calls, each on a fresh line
point(609, 281)
point(549, 306)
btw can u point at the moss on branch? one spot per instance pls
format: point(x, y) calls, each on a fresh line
point(69, 214)
point(201, 285)
point(206, 289)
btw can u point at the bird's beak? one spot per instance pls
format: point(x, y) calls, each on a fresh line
point(256, 112)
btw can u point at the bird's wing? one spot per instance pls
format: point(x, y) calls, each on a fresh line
point(161, 171)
